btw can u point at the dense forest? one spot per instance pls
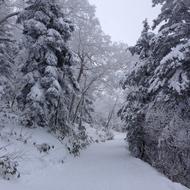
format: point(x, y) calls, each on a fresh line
point(60, 73)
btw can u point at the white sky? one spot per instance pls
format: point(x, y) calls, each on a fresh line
point(122, 19)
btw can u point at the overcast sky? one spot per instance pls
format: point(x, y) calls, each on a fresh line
point(122, 19)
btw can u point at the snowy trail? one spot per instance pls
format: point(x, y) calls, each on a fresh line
point(105, 166)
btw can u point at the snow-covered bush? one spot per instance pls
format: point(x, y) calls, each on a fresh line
point(77, 141)
point(44, 147)
point(8, 168)
point(104, 135)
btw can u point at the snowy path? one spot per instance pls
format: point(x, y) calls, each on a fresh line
point(105, 166)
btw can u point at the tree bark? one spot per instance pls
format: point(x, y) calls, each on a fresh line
point(111, 115)
point(78, 80)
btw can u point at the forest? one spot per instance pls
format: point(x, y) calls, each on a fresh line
point(79, 110)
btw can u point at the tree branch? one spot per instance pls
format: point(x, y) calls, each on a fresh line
point(8, 16)
point(6, 40)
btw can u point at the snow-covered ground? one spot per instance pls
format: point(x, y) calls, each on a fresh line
point(103, 166)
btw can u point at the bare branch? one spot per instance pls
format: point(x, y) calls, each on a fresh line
point(84, 93)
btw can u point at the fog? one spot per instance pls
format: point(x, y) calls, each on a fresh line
point(122, 19)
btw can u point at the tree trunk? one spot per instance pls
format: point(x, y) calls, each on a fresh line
point(78, 80)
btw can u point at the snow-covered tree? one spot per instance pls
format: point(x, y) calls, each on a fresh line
point(48, 79)
point(91, 46)
point(161, 82)
point(169, 88)
point(7, 53)
point(135, 85)
point(170, 49)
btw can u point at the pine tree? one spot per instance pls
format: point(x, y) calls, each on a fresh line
point(163, 74)
point(135, 85)
point(48, 79)
point(169, 86)
point(170, 49)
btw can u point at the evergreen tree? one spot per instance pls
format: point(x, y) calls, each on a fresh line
point(169, 87)
point(135, 85)
point(170, 49)
point(48, 79)
point(162, 76)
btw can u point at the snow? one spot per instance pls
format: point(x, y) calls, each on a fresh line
point(103, 166)
point(54, 33)
point(177, 53)
point(35, 26)
point(51, 58)
point(179, 85)
point(51, 71)
point(155, 84)
point(36, 93)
